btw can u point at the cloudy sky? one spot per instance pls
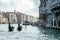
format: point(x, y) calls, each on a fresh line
point(29, 7)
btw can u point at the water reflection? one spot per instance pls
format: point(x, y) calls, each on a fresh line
point(51, 34)
point(30, 33)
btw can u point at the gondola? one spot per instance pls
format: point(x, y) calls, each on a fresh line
point(9, 26)
point(19, 28)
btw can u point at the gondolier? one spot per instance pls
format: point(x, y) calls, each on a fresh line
point(9, 26)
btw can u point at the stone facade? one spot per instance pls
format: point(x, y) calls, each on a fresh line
point(47, 13)
point(16, 17)
point(22, 18)
point(12, 17)
point(1, 16)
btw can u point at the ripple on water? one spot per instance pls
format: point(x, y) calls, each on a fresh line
point(30, 33)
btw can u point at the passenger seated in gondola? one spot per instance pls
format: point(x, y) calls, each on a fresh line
point(19, 27)
point(12, 28)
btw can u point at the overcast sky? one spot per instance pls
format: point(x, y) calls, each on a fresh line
point(30, 7)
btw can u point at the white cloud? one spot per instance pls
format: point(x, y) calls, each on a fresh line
point(5, 1)
point(25, 6)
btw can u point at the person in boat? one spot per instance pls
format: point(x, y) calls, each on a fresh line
point(10, 28)
point(19, 28)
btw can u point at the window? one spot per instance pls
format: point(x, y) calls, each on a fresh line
point(45, 4)
point(53, 0)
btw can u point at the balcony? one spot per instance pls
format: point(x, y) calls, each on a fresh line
point(58, 1)
point(55, 5)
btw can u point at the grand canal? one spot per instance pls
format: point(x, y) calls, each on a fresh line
point(28, 33)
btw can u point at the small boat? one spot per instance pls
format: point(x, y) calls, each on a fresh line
point(9, 26)
point(19, 28)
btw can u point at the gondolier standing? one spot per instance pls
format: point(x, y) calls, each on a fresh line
point(19, 28)
point(9, 26)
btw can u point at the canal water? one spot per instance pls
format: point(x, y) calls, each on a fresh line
point(28, 33)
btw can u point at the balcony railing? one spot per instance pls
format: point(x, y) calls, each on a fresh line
point(55, 4)
point(58, 1)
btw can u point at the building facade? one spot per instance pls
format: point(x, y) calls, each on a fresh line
point(47, 13)
point(22, 18)
point(4, 20)
point(16, 17)
point(55, 8)
point(44, 12)
point(1, 16)
point(12, 17)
